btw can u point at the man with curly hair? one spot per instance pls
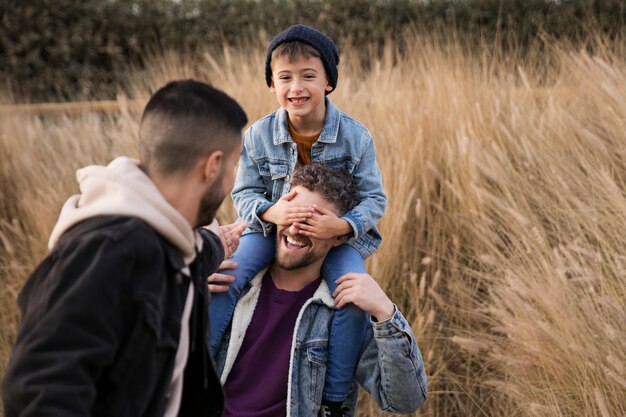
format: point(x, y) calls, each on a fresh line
point(274, 354)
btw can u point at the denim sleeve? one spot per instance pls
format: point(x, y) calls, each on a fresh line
point(369, 183)
point(250, 193)
point(391, 368)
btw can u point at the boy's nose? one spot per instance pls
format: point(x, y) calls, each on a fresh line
point(296, 86)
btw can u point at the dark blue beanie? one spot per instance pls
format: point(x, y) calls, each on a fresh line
point(322, 43)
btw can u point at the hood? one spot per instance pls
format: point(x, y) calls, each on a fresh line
point(123, 189)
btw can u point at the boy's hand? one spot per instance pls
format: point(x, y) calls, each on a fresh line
point(219, 282)
point(365, 293)
point(229, 235)
point(283, 213)
point(323, 224)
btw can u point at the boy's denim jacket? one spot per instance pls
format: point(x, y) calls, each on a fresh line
point(390, 367)
point(269, 157)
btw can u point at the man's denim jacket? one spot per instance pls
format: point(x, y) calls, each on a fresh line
point(390, 367)
point(269, 157)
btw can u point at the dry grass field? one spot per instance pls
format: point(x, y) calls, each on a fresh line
point(505, 232)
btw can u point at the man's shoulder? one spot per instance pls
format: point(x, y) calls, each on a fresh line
point(115, 227)
point(95, 253)
point(120, 231)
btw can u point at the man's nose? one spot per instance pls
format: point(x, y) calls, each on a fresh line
point(293, 230)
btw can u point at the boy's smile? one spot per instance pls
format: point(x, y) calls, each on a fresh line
point(300, 87)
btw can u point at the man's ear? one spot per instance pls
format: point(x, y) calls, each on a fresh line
point(213, 166)
point(338, 241)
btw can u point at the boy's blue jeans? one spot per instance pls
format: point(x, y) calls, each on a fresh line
point(349, 324)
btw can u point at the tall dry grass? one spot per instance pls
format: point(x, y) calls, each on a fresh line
point(505, 233)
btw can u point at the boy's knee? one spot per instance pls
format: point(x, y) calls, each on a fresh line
point(352, 312)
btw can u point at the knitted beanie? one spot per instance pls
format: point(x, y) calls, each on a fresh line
point(322, 43)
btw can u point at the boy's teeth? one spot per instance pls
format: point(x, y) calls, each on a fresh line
point(298, 100)
point(295, 242)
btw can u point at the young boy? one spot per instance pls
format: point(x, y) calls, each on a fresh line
point(300, 70)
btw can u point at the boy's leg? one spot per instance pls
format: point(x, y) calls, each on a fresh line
point(347, 328)
point(255, 252)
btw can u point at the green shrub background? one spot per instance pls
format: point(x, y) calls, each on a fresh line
point(76, 49)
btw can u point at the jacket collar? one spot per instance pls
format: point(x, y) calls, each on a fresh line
point(244, 310)
point(328, 134)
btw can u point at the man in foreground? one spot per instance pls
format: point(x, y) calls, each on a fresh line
point(114, 318)
point(272, 359)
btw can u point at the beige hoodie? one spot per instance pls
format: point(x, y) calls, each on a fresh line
point(122, 188)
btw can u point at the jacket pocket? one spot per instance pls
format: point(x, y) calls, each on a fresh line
point(274, 176)
point(317, 358)
point(342, 162)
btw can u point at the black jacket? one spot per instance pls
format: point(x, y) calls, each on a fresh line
point(101, 320)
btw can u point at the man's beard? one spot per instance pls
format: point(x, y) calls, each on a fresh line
point(211, 202)
point(291, 262)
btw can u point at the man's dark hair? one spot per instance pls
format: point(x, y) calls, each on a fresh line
point(185, 120)
point(335, 185)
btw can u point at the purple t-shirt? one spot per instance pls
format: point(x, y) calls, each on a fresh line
point(257, 384)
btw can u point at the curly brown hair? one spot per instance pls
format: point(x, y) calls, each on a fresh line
point(335, 185)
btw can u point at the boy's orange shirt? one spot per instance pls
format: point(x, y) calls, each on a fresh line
point(304, 145)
